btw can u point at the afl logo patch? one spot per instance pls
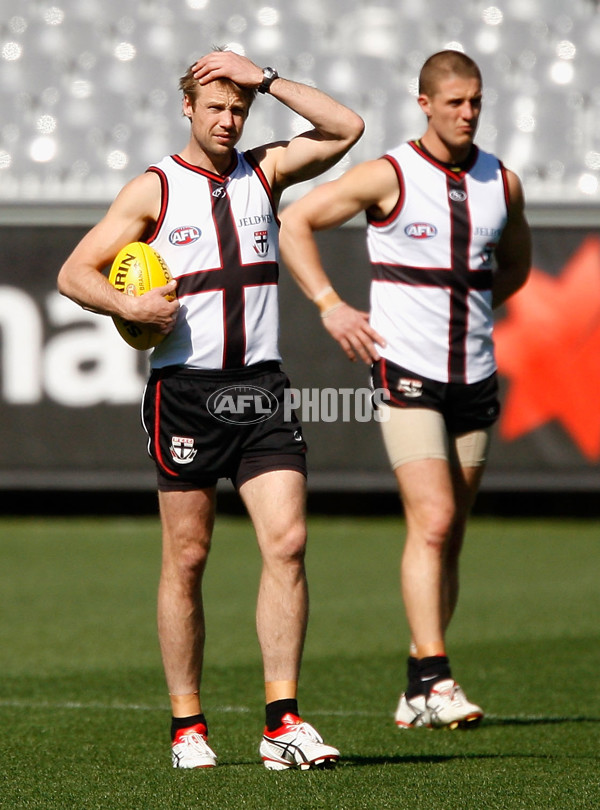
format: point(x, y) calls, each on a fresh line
point(457, 195)
point(185, 235)
point(420, 230)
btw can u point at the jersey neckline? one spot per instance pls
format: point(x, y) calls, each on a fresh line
point(219, 178)
point(453, 169)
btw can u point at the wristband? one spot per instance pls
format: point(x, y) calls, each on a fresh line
point(329, 310)
point(326, 299)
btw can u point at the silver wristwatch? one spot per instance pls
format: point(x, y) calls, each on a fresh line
point(269, 76)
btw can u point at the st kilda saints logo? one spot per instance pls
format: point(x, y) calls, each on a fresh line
point(410, 388)
point(261, 242)
point(487, 254)
point(182, 449)
point(242, 404)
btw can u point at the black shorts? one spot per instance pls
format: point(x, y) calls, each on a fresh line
point(206, 425)
point(464, 406)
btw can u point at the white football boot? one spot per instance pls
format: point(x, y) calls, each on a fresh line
point(448, 707)
point(412, 712)
point(296, 745)
point(190, 749)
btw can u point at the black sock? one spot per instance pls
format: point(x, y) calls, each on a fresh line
point(177, 723)
point(414, 687)
point(432, 669)
point(275, 711)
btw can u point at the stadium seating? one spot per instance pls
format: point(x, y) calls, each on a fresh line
point(88, 88)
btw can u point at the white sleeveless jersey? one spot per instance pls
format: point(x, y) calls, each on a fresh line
point(220, 238)
point(432, 265)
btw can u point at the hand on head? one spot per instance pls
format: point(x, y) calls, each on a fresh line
point(227, 65)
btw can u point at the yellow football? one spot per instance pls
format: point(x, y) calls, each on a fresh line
point(138, 268)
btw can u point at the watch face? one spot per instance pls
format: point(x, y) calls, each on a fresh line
point(269, 75)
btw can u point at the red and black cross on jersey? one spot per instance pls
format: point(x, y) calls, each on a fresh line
point(219, 237)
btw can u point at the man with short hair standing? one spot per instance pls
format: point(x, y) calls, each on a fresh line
point(222, 330)
point(448, 241)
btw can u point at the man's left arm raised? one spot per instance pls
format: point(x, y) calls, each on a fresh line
point(336, 128)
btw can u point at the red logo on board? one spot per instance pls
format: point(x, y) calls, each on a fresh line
point(549, 348)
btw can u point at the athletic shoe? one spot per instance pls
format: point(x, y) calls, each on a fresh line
point(412, 712)
point(448, 707)
point(190, 749)
point(296, 744)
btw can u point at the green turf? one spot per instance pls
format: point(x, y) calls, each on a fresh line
point(83, 712)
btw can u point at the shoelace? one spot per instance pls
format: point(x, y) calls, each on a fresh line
point(452, 691)
point(306, 730)
point(193, 738)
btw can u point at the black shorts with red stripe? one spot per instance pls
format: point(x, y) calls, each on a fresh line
point(207, 425)
point(464, 406)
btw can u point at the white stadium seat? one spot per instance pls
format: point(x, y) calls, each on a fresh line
point(88, 88)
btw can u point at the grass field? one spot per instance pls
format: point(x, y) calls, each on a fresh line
point(84, 715)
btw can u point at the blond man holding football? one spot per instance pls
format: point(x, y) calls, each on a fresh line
point(211, 213)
